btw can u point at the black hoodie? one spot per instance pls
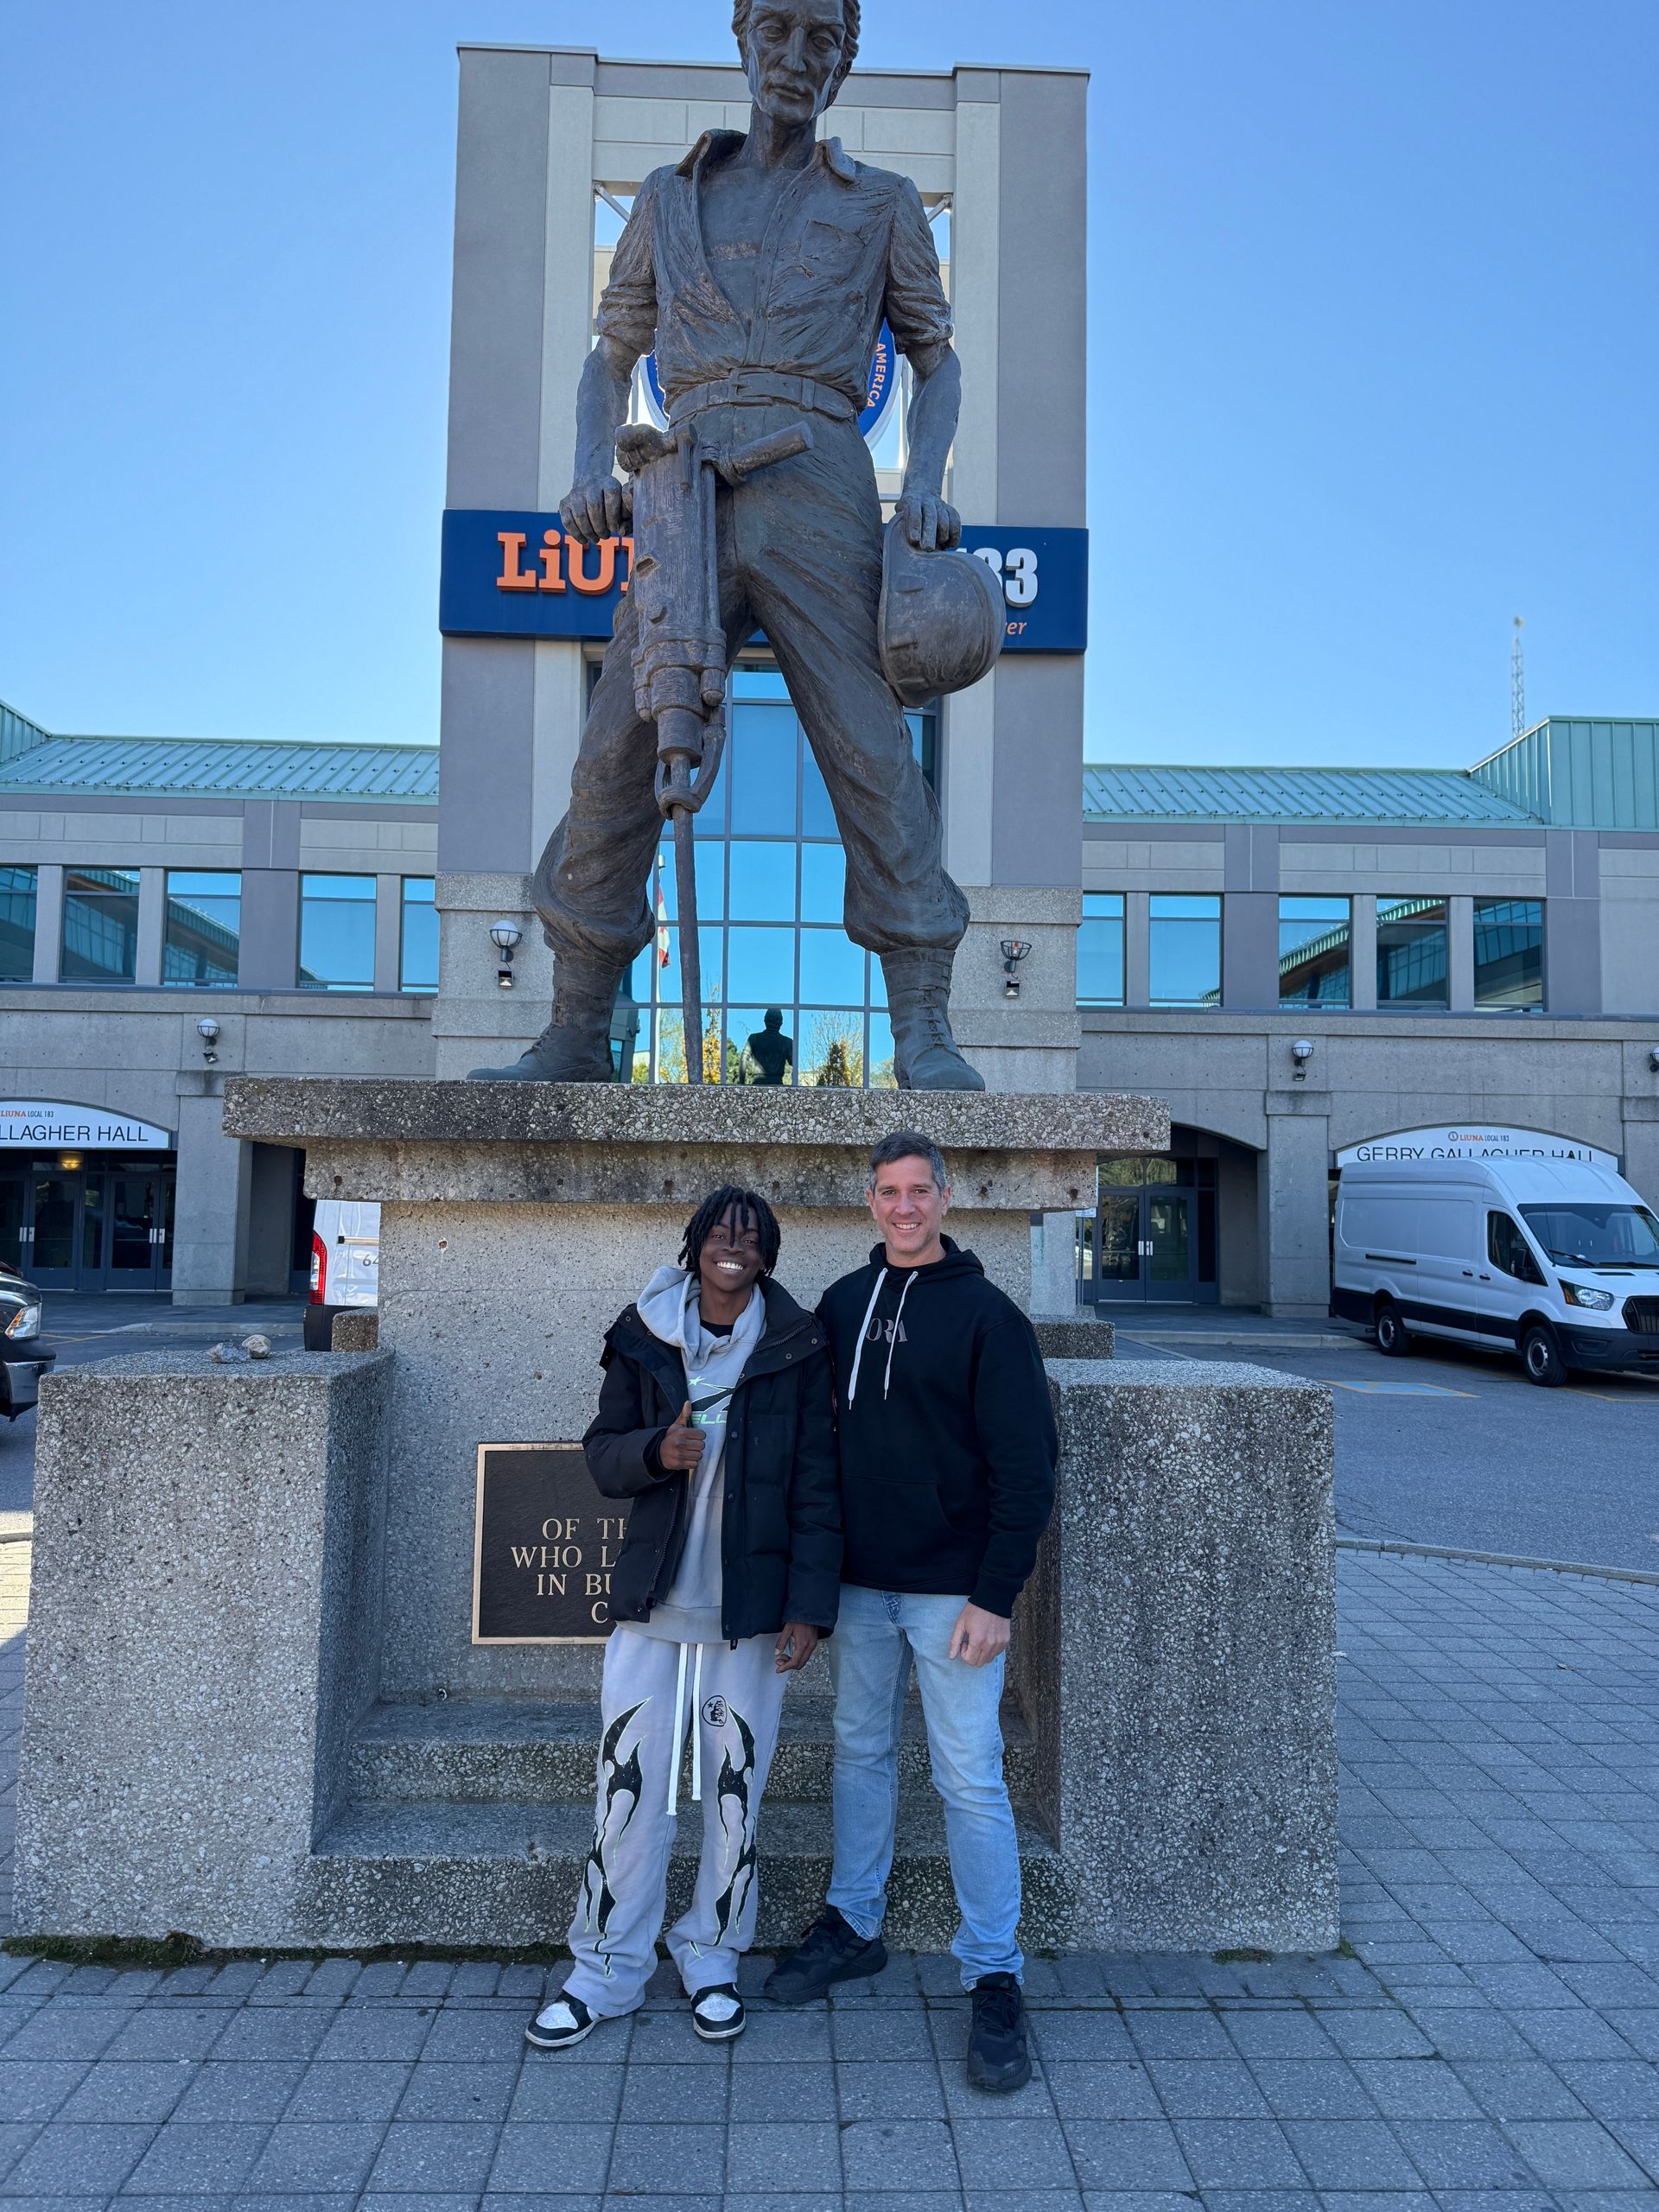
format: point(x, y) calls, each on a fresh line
point(946, 1435)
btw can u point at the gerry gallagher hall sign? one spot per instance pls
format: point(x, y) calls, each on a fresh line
point(1469, 1141)
point(31, 1124)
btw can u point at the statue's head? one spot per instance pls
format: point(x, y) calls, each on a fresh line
point(796, 53)
point(774, 1017)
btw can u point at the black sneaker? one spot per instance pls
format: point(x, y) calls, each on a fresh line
point(561, 2022)
point(717, 2014)
point(997, 2056)
point(831, 1950)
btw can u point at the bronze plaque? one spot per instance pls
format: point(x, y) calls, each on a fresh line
point(543, 1544)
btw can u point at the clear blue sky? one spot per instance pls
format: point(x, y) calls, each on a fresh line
point(1375, 343)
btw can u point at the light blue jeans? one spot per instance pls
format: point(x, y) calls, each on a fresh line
point(879, 1634)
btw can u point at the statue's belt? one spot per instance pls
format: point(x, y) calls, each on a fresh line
point(758, 387)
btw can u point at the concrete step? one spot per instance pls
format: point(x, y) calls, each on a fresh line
point(500, 1874)
point(528, 1753)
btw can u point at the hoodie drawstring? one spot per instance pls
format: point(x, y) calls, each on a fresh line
point(863, 1331)
point(893, 1341)
point(679, 1727)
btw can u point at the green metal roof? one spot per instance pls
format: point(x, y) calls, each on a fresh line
point(1114, 793)
point(218, 767)
point(1582, 772)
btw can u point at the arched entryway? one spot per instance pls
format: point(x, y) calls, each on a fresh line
point(1176, 1228)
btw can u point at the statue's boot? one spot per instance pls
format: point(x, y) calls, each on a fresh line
point(925, 1057)
point(576, 1046)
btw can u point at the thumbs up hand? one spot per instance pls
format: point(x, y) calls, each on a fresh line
point(682, 1445)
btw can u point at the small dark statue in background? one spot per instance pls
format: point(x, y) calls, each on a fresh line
point(760, 268)
point(773, 1052)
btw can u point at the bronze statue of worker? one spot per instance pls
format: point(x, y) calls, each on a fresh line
point(760, 268)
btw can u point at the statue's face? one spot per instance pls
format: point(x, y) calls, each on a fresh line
point(791, 55)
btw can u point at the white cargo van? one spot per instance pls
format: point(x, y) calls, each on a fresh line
point(345, 1265)
point(1557, 1260)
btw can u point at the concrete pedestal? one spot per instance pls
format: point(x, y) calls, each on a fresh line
point(255, 1711)
point(1176, 1657)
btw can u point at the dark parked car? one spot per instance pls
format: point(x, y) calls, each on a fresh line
point(22, 1358)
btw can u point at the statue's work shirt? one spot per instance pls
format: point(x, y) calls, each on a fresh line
point(846, 245)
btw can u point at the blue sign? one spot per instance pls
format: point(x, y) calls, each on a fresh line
point(513, 573)
point(880, 390)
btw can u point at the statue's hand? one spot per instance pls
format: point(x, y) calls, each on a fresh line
point(929, 521)
point(598, 508)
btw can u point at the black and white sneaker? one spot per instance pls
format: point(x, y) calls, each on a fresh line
point(561, 2022)
point(717, 2014)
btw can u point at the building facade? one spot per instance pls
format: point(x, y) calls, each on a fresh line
point(1300, 961)
point(282, 895)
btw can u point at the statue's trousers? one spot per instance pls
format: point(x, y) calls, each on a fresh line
point(800, 557)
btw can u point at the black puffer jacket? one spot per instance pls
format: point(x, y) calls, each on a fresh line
point(780, 1507)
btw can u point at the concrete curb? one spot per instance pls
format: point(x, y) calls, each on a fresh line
point(1260, 1340)
point(1494, 1559)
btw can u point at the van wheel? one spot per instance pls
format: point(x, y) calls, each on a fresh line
point(1541, 1357)
point(1392, 1336)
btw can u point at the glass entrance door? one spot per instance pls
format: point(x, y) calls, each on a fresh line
point(90, 1229)
point(1154, 1243)
point(135, 1218)
point(1166, 1245)
point(14, 1184)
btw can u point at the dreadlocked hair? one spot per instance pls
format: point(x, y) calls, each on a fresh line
point(751, 1210)
point(850, 13)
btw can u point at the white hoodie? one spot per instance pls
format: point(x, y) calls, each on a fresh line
point(688, 1611)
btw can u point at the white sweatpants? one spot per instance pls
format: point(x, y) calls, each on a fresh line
point(651, 1692)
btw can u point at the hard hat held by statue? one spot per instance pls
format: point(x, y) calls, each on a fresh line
point(760, 268)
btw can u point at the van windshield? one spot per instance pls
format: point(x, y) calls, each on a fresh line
point(1587, 1235)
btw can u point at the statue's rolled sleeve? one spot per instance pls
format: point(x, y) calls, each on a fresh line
point(626, 314)
point(917, 312)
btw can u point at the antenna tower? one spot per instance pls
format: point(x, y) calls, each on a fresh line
point(1518, 684)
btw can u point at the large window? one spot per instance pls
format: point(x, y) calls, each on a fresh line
point(337, 933)
point(1510, 954)
point(417, 946)
point(1411, 956)
point(16, 925)
point(1185, 951)
point(100, 924)
point(1314, 940)
point(203, 932)
point(771, 880)
point(1100, 949)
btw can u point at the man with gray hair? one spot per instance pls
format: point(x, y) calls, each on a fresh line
point(947, 1451)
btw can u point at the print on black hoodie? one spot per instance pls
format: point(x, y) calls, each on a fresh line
point(946, 1438)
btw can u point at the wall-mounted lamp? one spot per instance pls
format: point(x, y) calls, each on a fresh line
point(1301, 1052)
point(504, 935)
point(207, 1030)
point(1014, 952)
point(1653, 1060)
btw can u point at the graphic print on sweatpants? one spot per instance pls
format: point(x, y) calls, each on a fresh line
point(623, 1894)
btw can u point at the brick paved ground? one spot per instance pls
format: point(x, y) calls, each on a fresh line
point(1491, 2046)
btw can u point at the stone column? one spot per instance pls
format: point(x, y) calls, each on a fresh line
point(152, 916)
point(204, 1634)
point(1293, 1195)
point(210, 1226)
point(1460, 955)
point(1175, 1655)
point(48, 921)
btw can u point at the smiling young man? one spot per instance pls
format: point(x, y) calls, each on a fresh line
point(947, 1451)
point(714, 1419)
